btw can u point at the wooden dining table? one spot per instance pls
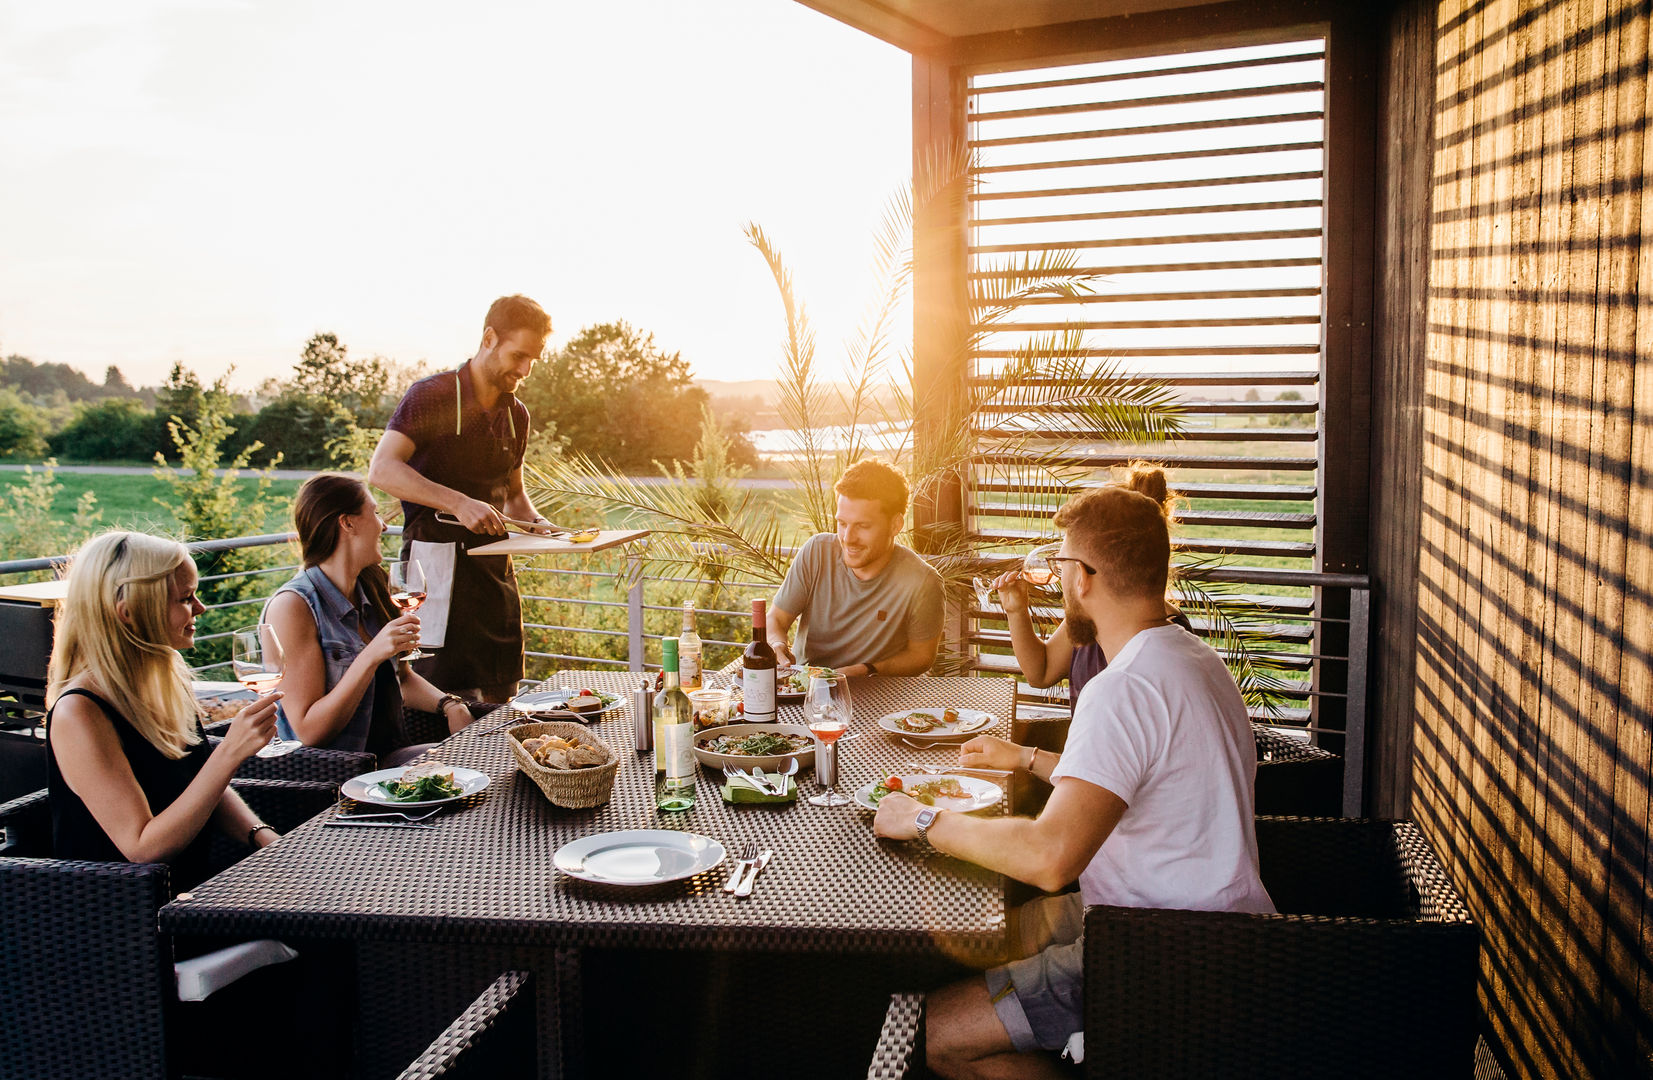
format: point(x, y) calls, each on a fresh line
point(433, 915)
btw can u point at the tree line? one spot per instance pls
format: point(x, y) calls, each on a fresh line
point(611, 393)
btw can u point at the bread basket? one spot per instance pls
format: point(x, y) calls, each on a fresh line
point(574, 789)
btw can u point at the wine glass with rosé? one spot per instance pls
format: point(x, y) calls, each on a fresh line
point(256, 658)
point(1036, 568)
point(827, 711)
point(407, 592)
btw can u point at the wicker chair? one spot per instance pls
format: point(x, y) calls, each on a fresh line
point(494, 1037)
point(88, 980)
point(1295, 777)
point(1368, 971)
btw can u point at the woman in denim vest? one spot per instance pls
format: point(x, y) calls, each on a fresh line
point(344, 687)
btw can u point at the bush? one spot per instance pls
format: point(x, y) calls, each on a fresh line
point(22, 428)
point(114, 429)
point(297, 428)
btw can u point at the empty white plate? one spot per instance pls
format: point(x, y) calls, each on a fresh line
point(638, 856)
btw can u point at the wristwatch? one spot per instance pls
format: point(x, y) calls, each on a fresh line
point(872, 669)
point(924, 819)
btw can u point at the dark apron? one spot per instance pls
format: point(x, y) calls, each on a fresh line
point(483, 642)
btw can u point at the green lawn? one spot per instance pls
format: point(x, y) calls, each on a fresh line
point(128, 501)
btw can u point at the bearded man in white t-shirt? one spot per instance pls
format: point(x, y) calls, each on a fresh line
point(1152, 807)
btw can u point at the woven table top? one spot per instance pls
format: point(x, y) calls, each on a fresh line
point(485, 875)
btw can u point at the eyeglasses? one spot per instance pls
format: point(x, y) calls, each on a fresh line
point(1081, 563)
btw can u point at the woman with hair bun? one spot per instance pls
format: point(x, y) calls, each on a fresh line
point(1045, 662)
point(342, 635)
point(130, 774)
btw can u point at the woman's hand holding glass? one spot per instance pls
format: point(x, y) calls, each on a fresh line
point(990, 752)
point(394, 638)
point(253, 727)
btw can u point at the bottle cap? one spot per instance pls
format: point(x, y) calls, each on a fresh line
point(668, 653)
point(758, 608)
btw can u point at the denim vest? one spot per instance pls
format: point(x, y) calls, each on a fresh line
point(337, 620)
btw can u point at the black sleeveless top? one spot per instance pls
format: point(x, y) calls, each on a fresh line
point(76, 834)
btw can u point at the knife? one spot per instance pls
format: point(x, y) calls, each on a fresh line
point(745, 887)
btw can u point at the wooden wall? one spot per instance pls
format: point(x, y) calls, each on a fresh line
point(1513, 501)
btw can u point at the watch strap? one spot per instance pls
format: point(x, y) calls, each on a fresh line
point(872, 669)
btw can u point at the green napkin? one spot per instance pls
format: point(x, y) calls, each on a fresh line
point(739, 789)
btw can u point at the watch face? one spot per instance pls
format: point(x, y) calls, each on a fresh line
point(925, 816)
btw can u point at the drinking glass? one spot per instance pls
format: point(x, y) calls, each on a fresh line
point(256, 657)
point(828, 712)
point(407, 591)
point(1036, 568)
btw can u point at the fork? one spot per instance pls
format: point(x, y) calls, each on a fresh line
point(748, 855)
point(389, 814)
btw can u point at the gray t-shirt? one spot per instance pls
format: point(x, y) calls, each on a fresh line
point(844, 620)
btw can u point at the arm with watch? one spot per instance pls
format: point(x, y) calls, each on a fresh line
point(421, 695)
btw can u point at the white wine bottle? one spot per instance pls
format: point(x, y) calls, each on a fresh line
point(689, 651)
point(674, 778)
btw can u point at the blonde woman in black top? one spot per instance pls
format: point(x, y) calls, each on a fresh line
point(130, 773)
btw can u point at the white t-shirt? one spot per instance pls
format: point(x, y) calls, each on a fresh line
point(1164, 728)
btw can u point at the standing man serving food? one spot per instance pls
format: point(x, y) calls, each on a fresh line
point(870, 605)
point(454, 447)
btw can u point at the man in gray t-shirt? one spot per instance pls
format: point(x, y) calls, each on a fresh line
point(869, 605)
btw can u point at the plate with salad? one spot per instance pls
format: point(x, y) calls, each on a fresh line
point(964, 793)
point(928, 725)
point(423, 783)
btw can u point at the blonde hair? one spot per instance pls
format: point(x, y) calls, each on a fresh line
point(131, 661)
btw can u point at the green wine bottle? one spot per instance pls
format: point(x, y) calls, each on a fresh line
point(674, 780)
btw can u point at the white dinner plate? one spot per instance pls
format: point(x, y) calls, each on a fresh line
point(552, 703)
point(969, 722)
point(367, 787)
point(983, 793)
point(638, 856)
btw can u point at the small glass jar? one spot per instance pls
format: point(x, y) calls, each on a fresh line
point(711, 707)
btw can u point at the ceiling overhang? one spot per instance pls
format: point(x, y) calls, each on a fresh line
point(932, 26)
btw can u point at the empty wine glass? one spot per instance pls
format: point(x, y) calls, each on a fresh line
point(256, 657)
point(1036, 568)
point(984, 592)
point(828, 712)
point(407, 592)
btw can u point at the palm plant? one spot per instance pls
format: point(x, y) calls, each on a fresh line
point(1017, 424)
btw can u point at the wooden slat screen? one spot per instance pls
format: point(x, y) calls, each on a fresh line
point(1192, 186)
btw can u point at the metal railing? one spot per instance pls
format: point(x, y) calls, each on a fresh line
point(1325, 628)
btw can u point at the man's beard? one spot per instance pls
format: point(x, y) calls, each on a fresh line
point(1081, 630)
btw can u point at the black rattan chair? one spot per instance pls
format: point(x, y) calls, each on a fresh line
point(88, 977)
point(1368, 971)
point(494, 1037)
point(1295, 777)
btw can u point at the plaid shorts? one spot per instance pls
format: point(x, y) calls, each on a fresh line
point(1040, 998)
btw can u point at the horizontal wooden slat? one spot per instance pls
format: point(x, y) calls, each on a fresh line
point(1272, 492)
point(1150, 324)
point(1203, 97)
point(1155, 129)
point(1282, 549)
point(1142, 159)
point(1148, 212)
point(1157, 73)
point(1170, 461)
point(1151, 241)
point(1261, 378)
point(1007, 664)
point(1163, 297)
point(1227, 518)
point(1212, 265)
point(1189, 408)
point(1160, 185)
point(1186, 435)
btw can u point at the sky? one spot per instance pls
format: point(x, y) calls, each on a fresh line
point(211, 181)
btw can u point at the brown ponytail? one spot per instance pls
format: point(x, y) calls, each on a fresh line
point(1147, 478)
point(317, 507)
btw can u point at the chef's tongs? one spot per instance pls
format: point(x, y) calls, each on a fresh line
point(532, 528)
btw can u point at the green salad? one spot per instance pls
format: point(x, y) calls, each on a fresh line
point(421, 788)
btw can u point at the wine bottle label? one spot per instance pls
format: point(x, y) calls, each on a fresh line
point(758, 693)
point(678, 744)
point(688, 670)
